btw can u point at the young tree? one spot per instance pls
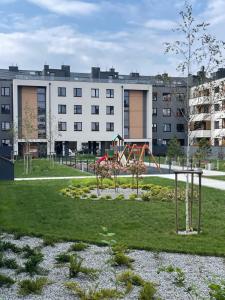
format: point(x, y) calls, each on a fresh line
point(174, 149)
point(204, 148)
point(195, 47)
point(136, 168)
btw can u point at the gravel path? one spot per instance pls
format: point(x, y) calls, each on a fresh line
point(199, 271)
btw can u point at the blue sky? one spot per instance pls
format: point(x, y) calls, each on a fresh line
point(125, 34)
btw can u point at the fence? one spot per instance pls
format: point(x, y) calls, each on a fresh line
point(81, 164)
point(6, 169)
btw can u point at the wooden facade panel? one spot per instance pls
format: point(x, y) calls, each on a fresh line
point(29, 113)
point(136, 114)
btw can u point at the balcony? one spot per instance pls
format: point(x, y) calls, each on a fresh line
point(200, 134)
point(200, 117)
point(200, 100)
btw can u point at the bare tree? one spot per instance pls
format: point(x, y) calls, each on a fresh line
point(195, 46)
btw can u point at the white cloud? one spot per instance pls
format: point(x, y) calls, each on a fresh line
point(215, 12)
point(67, 7)
point(160, 24)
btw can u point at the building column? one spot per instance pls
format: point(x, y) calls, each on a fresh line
point(63, 148)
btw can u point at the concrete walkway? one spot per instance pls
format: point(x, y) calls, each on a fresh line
point(217, 184)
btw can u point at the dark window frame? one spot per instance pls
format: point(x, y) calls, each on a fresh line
point(60, 124)
point(111, 93)
point(111, 126)
point(60, 93)
point(77, 129)
point(96, 93)
point(4, 112)
point(109, 110)
point(96, 107)
point(76, 93)
point(61, 111)
point(95, 124)
point(3, 91)
point(165, 125)
point(77, 109)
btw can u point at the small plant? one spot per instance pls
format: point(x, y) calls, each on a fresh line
point(132, 196)
point(6, 281)
point(28, 251)
point(31, 266)
point(4, 246)
point(93, 196)
point(78, 247)
point(93, 294)
point(120, 197)
point(130, 279)
point(63, 257)
point(27, 286)
point(10, 263)
point(119, 248)
point(49, 241)
point(146, 196)
point(121, 259)
point(76, 267)
point(107, 237)
point(148, 291)
point(108, 197)
point(179, 277)
point(217, 290)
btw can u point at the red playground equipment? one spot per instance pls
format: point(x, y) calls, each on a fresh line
point(125, 154)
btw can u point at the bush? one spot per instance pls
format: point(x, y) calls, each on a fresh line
point(132, 196)
point(63, 257)
point(31, 266)
point(4, 246)
point(27, 286)
point(10, 263)
point(108, 197)
point(146, 196)
point(120, 197)
point(129, 278)
point(121, 259)
point(6, 281)
point(93, 196)
point(147, 292)
point(217, 290)
point(78, 246)
point(76, 267)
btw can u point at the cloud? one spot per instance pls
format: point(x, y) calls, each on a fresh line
point(67, 7)
point(215, 12)
point(160, 24)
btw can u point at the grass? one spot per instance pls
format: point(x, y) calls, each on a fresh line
point(42, 168)
point(215, 177)
point(28, 286)
point(37, 208)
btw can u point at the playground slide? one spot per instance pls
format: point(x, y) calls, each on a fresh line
point(123, 161)
point(102, 159)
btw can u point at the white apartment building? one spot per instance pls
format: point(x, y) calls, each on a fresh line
point(207, 108)
point(56, 115)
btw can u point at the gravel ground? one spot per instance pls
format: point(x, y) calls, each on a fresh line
point(111, 192)
point(199, 271)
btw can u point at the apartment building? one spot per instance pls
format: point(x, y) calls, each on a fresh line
point(57, 110)
point(207, 107)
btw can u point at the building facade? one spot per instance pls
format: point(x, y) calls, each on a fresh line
point(207, 108)
point(55, 110)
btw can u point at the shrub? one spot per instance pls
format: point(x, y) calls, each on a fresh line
point(119, 248)
point(76, 267)
point(132, 196)
point(93, 294)
point(147, 292)
point(121, 259)
point(217, 290)
point(120, 197)
point(129, 278)
point(78, 246)
point(146, 196)
point(28, 251)
point(108, 197)
point(27, 286)
point(63, 257)
point(93, 196)
point(6, 281)
point(4, 246)
point(10, 263)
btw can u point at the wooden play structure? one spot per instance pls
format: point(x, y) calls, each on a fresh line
point(125, 154)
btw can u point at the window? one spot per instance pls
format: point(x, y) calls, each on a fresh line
point(216, 107)
point(216, 142)
point(154, 111)
point(216, 89)
point(110, 110)
point(154, 127)
point(166, 112)
point(166, 127)
point(165, 142)
point(95, 93)
point(5, 126)
point(166, 96)
point(181, 141)
point(109, 93)
point(5, 91)
point(5, 109)
point(61, 91)
point(180, 97)
point(126, 99)
point(94, 126)
point(62, 126)
point(216, 125)
point(154, 96)
point(77, 109)
point(95, 110)
point(6, 143)
point(77, 126)
point(62, 109)
point(180, 112)
point(154, 142)
point(180, 127)
point(109, 126)
point(77, 92)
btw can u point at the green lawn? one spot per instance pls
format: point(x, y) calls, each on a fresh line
point(43, 168)
point(216, 177)
point(37, 208)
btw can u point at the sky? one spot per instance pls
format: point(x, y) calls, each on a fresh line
point(128, 35)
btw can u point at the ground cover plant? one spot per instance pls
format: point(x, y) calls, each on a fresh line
point(43, 168)
point(28, 286)
point(139, 224)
